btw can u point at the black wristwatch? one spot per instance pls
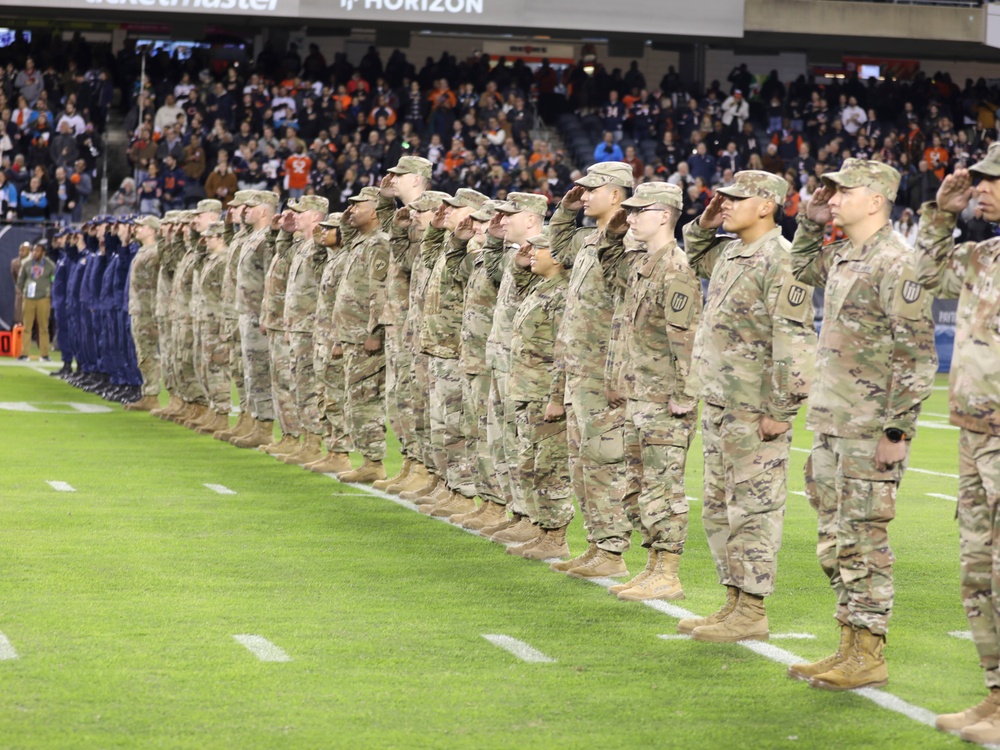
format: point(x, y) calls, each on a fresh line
point(894, 434)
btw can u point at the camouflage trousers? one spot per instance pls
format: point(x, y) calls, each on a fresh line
point(744, 501)
point(398, 401)
point(447, 438)
point(542, 468)
point(164, 329)
point(596, 437)
point(211, 359)
point(475, 418)
point(364, 374)
point(333, 394)
point(979, 532)
point(256, 369)
point(501, 438)
point(146, 338)
point(656, 446)
point(854, 503)
point(234, 349)
point(305, 388)
point(189, 385)
point(280, 353)
point(420, 405)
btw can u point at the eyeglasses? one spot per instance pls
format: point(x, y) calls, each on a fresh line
point(634, 211)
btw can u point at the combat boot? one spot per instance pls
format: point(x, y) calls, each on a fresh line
point(573, 562)
point(661, 583)
point(688, 624)
point(206, 416)
point(179, 415)
point(864, 666)
point(986, 731)
point(534, 533)
point(491, 515)
point(174, 405)
point(288, 444)
point(747, 622)
point(417, 478)
point(440, 494)
point(955, 723)
point(310, 451)
point(146, 403)
point(458, 518)
point(219, 421)
point(552, 544)
point(603, 564)
point(519, 532)
point(262, 434)
point(399, 476)
point(370, 471)
point(456, 502)
point(198, 413)
point(243, 424)
point(334, 463)
point(650, 564)
point(502, 524)
point(808, 671)
point(421, 487)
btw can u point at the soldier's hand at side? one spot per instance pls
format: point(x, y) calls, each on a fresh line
point(888, 453)
point(573, 200)
point(678, 410)
point(554, 412)
point(495, 229)
point(465, 231)
point(337, 352)
point(768, 429)
point(403, 218)
point(618, 224)
point(438, 221)
point(373, 345)
point(955, 192)
point(818, 208)
point(615, 399)
point(263, 329)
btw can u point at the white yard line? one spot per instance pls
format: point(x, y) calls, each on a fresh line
point(937, 425)
point(774, 637)
point(520, 649)
point(7, 651)
point(221, 489)
point(908, 468)
point(965, 635)
point(262, 648)
point(61, 486)
point(939, 496)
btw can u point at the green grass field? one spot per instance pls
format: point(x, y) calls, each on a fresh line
point(121, 600)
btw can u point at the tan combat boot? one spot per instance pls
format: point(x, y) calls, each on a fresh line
point(458, 518)
point(661, 583)
point(178, 416)
point(492, 514)
point(534, 534)
point(370, 471)
point(502, 524)
point(955, 723)
point(262, 434)
point(440, 495)
point(421, 487)
point(334, 463)
point(310, 451)
point(808, 671)
point(146, 403)
point(218, 421)
point(747, 622)
point(551, 545)
point(688, 624)
point(198, 414)
point(456, 503)
point(986, 731)
point(864, 666)
point(417, 478)
point(288, 444)
point(519, 532)
point(650, 564)
point(603, 564)
point(174, 405)
point(574, 562)
point(404, 471)
point(243, 423)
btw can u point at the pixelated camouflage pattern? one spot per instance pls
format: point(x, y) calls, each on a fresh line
point(251, 271)
point(501, 440)
point(364, 376)
point(534, 374)
point(475, 427)
point(272, 311)
point(447, 437)
point(256, 368)
point(302, 291)
point(282, 393)
point(479, 303)
point(542, 467)
point(360, 296)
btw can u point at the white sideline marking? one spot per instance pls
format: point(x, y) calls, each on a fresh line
point(262, 648)
point(942, 497)
point(937, 425)
point(674, 636)
point(520, 649)
point(965, 635)
point(774, 637)
point(7, 651)
point(796, 492)
point(908, 468)
point(399, 501)
point(221, 489)
point(938, 415)
point(61, 486)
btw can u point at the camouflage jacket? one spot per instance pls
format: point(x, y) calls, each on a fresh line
point(441, 332)
point(515, 284)
point(970, 272)
point(656, 339)
point(303, 286)
point(180, 294)
point(333, 272)
point(170, 256)
point(251, 268)
point(876, 359)
point(479, 303)
point(144, 282)
point(272, 310)
point(235, 240)
point(534, 375)
point(206, 293)
point(418, 286)
point(755, 347)
point(360, 296)
point(403, 249)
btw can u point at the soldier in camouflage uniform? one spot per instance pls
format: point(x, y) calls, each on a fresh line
point(520, 217)
point(304, 274)
point(170, 248)
point(359, 335)
point(652, 341)
point(536, 387)
point(874, 366)
point(754, 357)
point(334, 240)
point(211, 355)
point(596, 427)
point(971, 272)
point(251, 269)
point(143, 278)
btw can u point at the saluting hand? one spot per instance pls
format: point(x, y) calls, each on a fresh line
point(386, 188)
point(403, 218)
point(465, 231)
point(618, 224)
point(712, 217)
point(494, 228)
point(818, 208)
point(955, 191)
point(438, 221)
point(573, 200)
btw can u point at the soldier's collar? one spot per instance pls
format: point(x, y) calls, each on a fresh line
point(745, 251)
point(850, 252)
point(652, 258)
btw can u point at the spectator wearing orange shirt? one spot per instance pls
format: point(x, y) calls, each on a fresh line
point(937, 157)
point(442, 100)
point(297, 169)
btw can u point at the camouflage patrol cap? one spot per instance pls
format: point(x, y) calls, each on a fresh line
point(241, 198)
point(311, 203)
point(366, 194)
point(753, 183)
point(989, 165)
point(539, 240)
point(215, 229)
point(186, 216)
point(413, 165)
point(875, 175)
point(608, 173)
point(333, 220)
point(486, 212)
point(429, 201)
point(169, 217)
point(209, 205)
point(262, 198)
point(655, 193)
point(533, 203)
point(467, 198)
point(149, 221)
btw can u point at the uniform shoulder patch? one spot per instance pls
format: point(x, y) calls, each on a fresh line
point(679, 303)
point(380, 262)
point(795, 302)
point(910, 300)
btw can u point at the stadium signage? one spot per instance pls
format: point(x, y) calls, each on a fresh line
point(252, 6)
point(425, 6)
